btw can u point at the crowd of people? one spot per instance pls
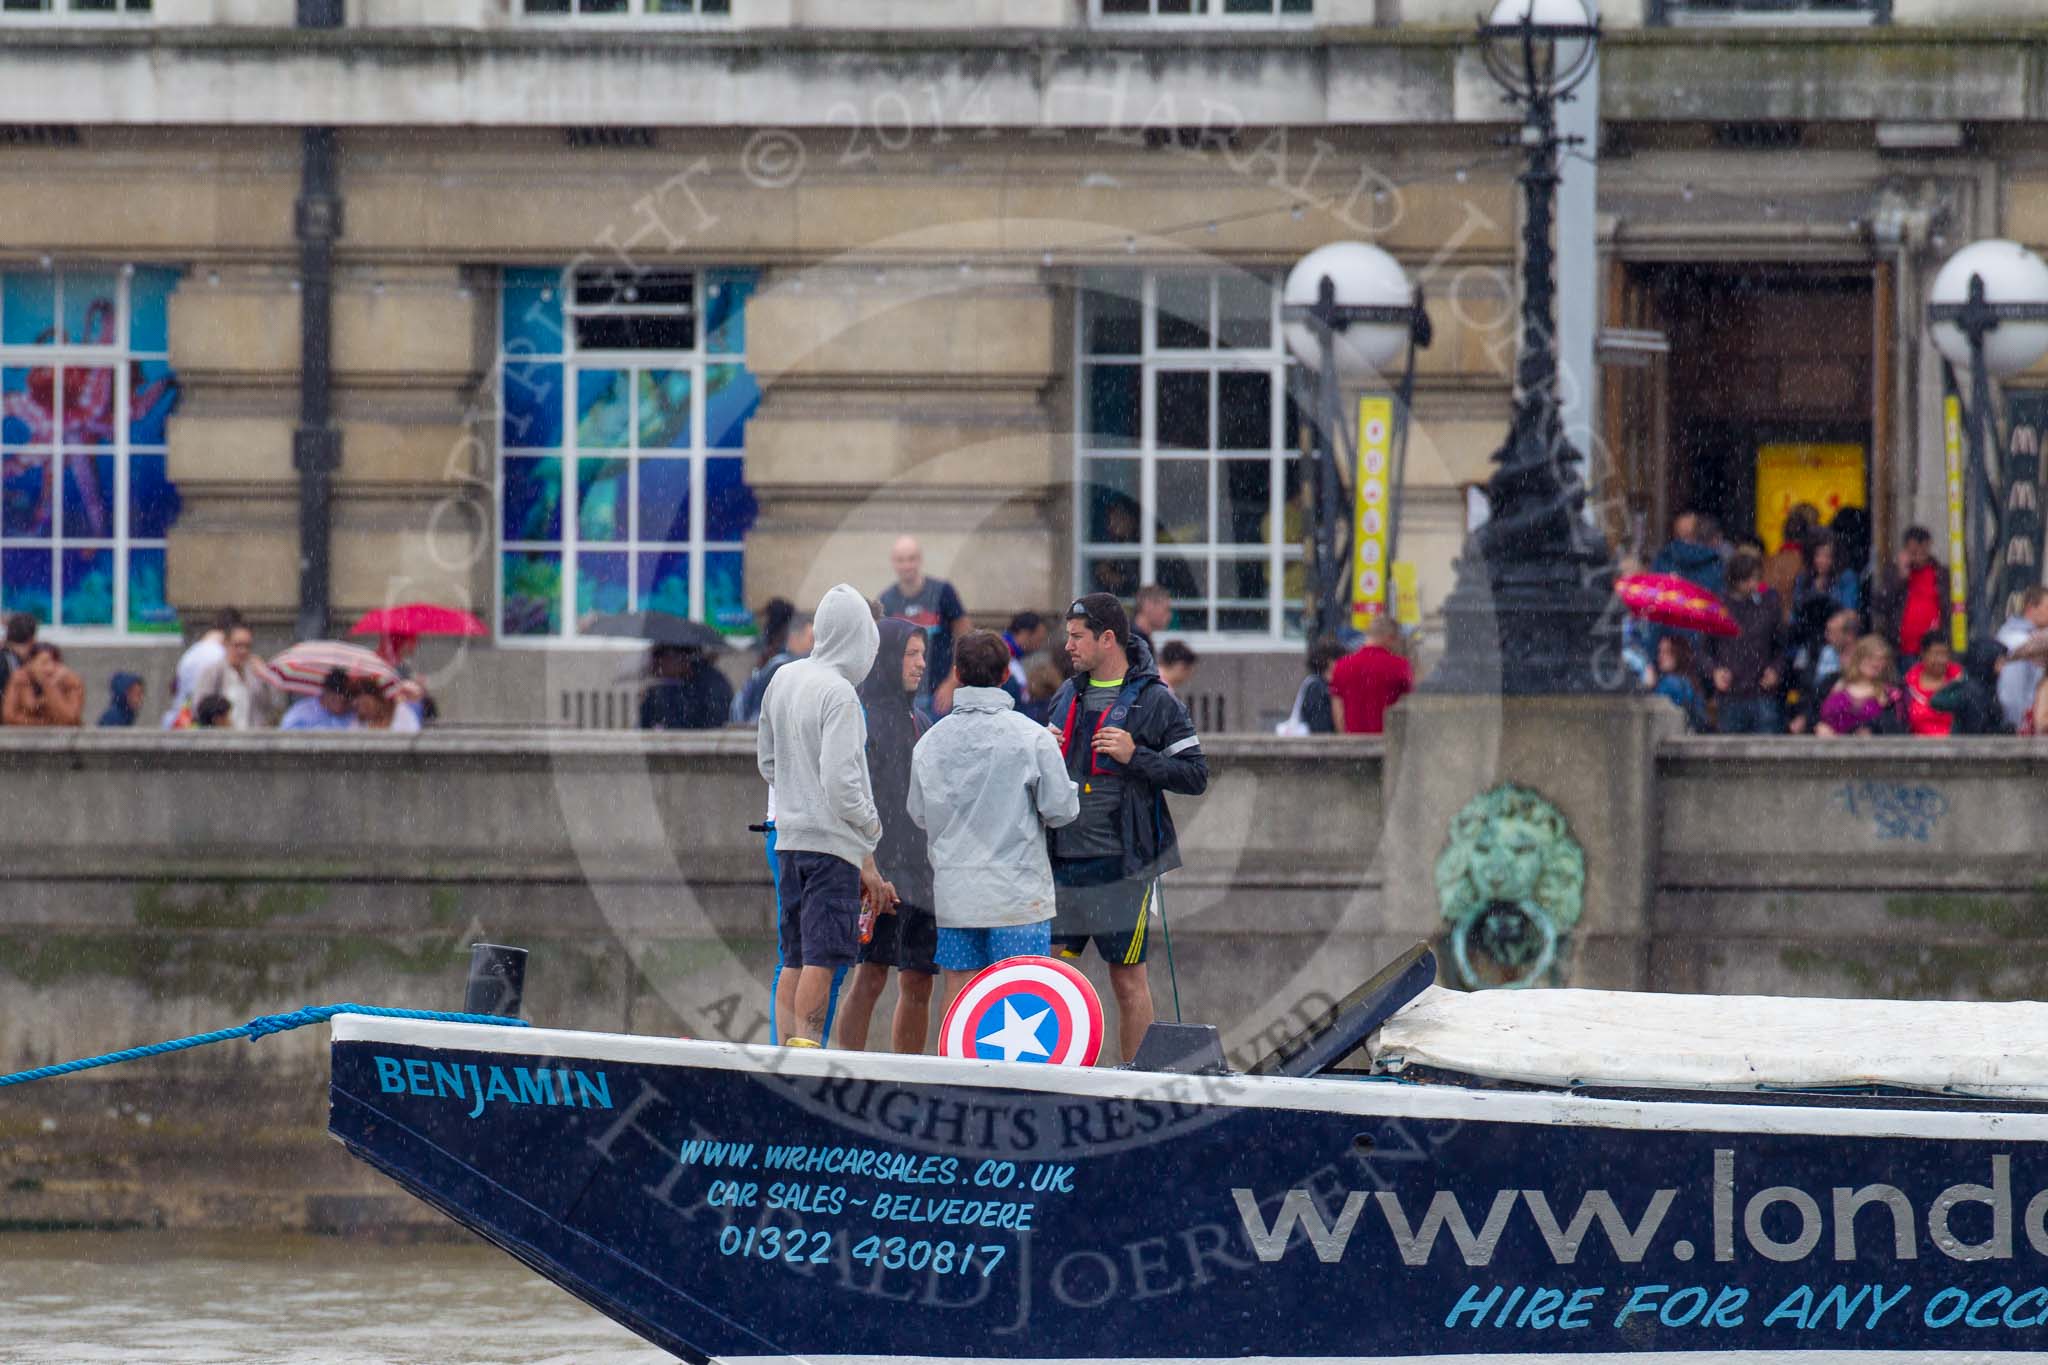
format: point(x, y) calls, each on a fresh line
point(692, 693)
point(933, 823)
point(220, 683)
point(1826, 646)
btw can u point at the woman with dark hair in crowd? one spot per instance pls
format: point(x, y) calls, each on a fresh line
point(1851, 530)
point(1935, 669)
point(1314, 706)
point(1819, 593)
point(1823, 575)
point(42, 691)
point(776, 619)
point(1802, 524)
point(785, 634)
point(1673, 678)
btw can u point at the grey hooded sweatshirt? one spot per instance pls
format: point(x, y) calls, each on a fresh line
point(812, 745)
point(985, 785)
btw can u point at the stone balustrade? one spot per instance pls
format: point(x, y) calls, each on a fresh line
point(162, 884)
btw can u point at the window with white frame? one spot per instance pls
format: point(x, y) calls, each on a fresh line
point(76, 9)
point(1189, 449)
point(1225, 10)
point(86, 392)
point(1759, 13)
point(624, 402)
point(626, 9)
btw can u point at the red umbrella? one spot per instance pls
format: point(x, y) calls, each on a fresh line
point(1672, 601)
point(304, 667)
point(418, 618)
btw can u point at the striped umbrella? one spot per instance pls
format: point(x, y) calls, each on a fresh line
point(304, 667)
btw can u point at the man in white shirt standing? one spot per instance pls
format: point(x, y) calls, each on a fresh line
point(254, 702)
point(2017, 680)
point(201, 655)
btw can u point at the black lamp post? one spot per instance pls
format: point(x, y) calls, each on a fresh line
point(1988, 311)
point(1532, 612)
point(1361, 313)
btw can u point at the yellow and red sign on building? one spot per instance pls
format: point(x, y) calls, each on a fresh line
point(1959, 577)
point(1827, 477)
point(1373, 506)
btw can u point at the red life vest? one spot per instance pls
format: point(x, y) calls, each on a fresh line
point(1119, 711)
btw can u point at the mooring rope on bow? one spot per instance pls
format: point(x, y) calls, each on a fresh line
point(262, 1026)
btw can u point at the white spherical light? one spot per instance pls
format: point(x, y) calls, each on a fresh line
point(2012, 275)
point(1555, 55)
point(1364, 276)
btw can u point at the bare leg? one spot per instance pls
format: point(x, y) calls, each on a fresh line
point(813, 1001)
point(785, 1001)
point(955, 983)
point(1133, 1005)
point(913, 1021)
point(857, 1011)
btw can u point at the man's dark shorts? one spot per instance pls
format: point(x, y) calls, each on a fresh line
point(820, 904)
point(907, 940)
point(1096, 903)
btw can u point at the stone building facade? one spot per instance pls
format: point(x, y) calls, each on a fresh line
point(696, 302)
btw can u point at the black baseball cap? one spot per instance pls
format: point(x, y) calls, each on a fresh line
point(1102, 611)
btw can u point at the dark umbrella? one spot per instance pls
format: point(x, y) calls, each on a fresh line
point(658, 628)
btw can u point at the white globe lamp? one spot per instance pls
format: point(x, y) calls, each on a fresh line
point(1538, 48)
point(1374, 309)
point(2015, 292)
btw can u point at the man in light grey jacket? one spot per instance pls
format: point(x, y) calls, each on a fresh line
point(985, 785)
point(812, 751)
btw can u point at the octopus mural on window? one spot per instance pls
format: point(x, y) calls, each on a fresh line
point(88, 418)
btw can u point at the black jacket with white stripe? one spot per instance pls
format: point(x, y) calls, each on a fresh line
point(1167, 758)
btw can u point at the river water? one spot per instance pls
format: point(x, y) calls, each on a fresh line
point(143, 1298)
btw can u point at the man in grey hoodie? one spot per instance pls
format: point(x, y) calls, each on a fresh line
point(812, 750)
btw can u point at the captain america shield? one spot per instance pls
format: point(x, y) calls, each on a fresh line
point(1025, 1009)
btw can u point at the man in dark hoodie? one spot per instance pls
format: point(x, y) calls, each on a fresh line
point(1748, 669)
point(908, 938)
point(124, 700)
point(1128, 742)
point(1689, 555)
point(688, 691)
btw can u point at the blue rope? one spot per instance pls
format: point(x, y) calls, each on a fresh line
point(262, 1026)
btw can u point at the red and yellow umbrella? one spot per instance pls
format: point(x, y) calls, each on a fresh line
point(1680, 603)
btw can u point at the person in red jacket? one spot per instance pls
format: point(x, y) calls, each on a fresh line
point(1912, 595)
point(1364, 684)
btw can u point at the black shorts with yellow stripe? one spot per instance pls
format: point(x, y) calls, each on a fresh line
point(1111, 914)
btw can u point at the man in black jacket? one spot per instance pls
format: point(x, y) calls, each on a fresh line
point(1748, 669)
point(1128, 742)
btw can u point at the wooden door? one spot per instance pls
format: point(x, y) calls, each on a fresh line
point(1635, 492)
